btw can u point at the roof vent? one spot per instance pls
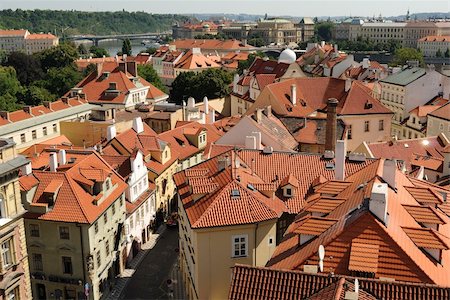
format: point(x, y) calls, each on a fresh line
point(235, 193)
point(329, 166)
point(268, 150)
point(406, 145)
point(328, 154)
point(250, 187)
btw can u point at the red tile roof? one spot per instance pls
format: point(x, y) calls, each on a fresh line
point(443, 112)
point(433, 38)
point(363, 256)
point(40, 36)
point(426, 238)
point(194, 61)
point(424, 214)
point(20, 32)
point(266, 283)
point(229, 45)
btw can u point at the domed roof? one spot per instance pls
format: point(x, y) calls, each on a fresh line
point(288, 56)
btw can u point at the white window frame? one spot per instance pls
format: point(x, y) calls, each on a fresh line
point(233, 243)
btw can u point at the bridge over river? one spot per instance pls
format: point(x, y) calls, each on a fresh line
point(131, 36)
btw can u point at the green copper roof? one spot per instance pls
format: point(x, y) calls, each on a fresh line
point(405, 77)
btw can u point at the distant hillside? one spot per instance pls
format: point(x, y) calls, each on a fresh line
point(78, 22)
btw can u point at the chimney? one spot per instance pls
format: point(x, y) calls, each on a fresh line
point(4, 115)
point(268, 111)
point(348, 84)
point(365, 63)
point(336, 50)
point(53, 162)
point(340, 153)
point(65, 100)
point(378, 202)
point(27, 109)
point(330, 137)
point(294, 94)
point(138, 126)
point(47, 104)
point(110, 132)
point(223, 163)
point(235, 82)
point(257, 135)
point(99, 69)
point(212, 116)
point(112, 86)
point(322, 44)
point(259, 112)
point(250, 142)
point(132, 68)
point(26, 169)
point(206, 105)
point(389, 172)
point(191, 102)
point(123, 67)
point(62, 157)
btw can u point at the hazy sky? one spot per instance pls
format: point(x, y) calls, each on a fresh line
point(284, 7)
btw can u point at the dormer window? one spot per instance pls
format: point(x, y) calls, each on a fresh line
point(288, 192)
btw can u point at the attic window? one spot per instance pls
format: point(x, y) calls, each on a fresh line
point(250, 187)
point(329, 166)
point(288, 192)
point(235, 193)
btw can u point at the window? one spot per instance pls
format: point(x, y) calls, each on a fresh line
point(22, 138)
point(105, 217)
point(67, 265)
point(107, 184)
point(64, 233)
point(239, 245)
point(96, 227)
point(55, 127)
point(441, 126)
point(349, 132)
point(114, 208)
point(37, 262)
point(381, 125)
point(366, 126)
point(98, 258)
point(288, 192)
point(107, 247)
point(7, 249)
point(33, 134)
point(34, 230)
point(44, 131)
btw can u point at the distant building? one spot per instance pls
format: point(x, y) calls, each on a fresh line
point(194, 61)
point(307, 27)
point(430, 45)
point(191, 30)
point(24, 41)
point(439, 121)
point(211, 47)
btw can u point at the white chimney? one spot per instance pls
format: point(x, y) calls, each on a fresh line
point(26, 169)
point(340, 153)
point(294, 94)
point(250, 142)
point(62, 157)
point(257, 135)
point(110, 132)
point(378, 202)
point(389, 171)
point(212, 116)
point(191, 102)
point(348, 84)
point(206, 105)
point(53, 162)
point(235, 82)
point(365, 63)
point(322, 44)
point(138, 126)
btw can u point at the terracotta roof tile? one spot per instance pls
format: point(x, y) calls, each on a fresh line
point(363, 256)
point(313, 225)
point(424, 214)
point(426, 238)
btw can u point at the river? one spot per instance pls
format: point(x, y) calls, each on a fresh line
point(114, 46)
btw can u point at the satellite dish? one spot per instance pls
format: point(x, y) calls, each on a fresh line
point(321, 257)
point(321, 252)
point(356, 285)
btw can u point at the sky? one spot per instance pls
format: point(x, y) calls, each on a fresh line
point(272, 8)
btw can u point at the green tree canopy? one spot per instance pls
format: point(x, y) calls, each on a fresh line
point(58, 81)
point(439, 53)
point(82, 49)
point(212, 83)
point(9, 88)
point(447, 53)
point(28, 67)
point(403, 55)
point(126, 47)
point(98, 51)
point(148, 73)
point(35, 95)
point(60, 56)
point(324, 31)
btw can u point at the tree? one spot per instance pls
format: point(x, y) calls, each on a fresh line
point(60, 56)
point(148, 73)
point(35, 95)
point(98, 52)
point(28, 67)
point(82, 49)
point(403, 55)
point(9, 88)
point(256, 40)
point(149, 50)
point(439, 53)
point(447, 53)
point(212, 83)
point(58, 81)
point(324, 30)
point(245, 64)
point(126, 47)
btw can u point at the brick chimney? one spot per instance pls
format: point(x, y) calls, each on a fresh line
point(47, 104)
point(4, 115)
point(330, 138)
point(132, 68)
point(27, 109)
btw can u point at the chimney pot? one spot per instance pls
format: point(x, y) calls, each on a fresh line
point(62, 157)
point(330, 137)
point(53, 162)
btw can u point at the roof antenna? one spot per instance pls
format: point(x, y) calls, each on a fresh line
point(321, 257)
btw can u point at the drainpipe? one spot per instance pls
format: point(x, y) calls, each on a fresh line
point(82, 254)
point(256, 231)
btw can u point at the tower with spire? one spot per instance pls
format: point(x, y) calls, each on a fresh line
point(408, 17)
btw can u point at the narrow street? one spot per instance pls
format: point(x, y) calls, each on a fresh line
point(150, 279)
